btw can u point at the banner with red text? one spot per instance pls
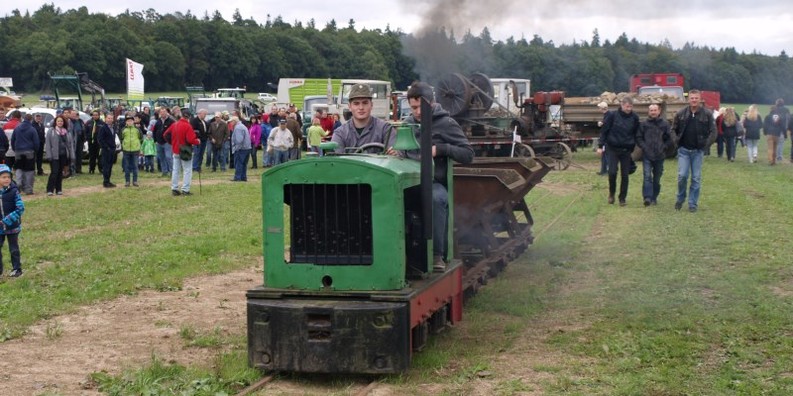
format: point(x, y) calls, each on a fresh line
point(134, 80)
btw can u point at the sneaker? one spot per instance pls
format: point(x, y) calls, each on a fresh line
point(654, 202)
point(108, 185)
point(186, 193)
point(15, 273)
point(622, 202)
point(135, 184)
point(49, 193)
point(692, 209)
point(438, 265)
point(176, 193)
point(647, 202)
point(611, 200)
point(59, 193)
point(126, 184)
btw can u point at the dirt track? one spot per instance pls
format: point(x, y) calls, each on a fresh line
point(124, 332)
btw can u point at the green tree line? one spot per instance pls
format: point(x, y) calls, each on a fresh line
point(184, 49)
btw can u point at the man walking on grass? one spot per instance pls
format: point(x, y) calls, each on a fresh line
point(694, 129)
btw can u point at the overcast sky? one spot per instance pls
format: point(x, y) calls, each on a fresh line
point(765, 26)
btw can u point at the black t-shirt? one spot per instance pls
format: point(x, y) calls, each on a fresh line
point(689, 138)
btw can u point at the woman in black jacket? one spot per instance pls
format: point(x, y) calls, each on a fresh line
point(752, 125)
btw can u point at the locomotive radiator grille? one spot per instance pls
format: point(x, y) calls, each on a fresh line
point(330, 224)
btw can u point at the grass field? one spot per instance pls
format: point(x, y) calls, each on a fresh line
point(608, 300)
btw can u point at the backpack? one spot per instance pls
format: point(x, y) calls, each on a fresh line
point(185, 152)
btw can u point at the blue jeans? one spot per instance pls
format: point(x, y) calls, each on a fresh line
point(267, 157)
point(780, 147)
point(440, 220)
point(241, 164)
point(653, 170)
point(603, 165)
point(751, 149)
point(218, 157)
point(164, 154)
point(689, 162)
point(129, 162)
point(730, 143)
point(186, 167)
point(148, 163)
point(209, 153)
point(198, 155)
point(720, 145)
point(13, 248)
point(280, 156)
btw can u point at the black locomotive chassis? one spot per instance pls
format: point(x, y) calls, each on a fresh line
point(349, 332)
point(328, 336)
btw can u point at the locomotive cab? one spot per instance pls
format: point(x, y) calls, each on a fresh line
point(347, 283)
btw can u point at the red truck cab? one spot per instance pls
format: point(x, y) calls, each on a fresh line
point(711, 99)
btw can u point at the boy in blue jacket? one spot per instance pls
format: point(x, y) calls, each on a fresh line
point(11, 209)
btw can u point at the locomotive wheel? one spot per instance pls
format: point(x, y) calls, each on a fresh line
point(562, 155)
point(524, 150)
point(454, 94)
point(483, 83)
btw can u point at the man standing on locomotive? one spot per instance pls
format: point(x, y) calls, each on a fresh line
point(448, 143)
point(362, 128)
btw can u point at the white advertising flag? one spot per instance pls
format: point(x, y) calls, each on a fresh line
point(134, 80)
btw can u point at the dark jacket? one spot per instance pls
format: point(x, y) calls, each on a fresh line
point(90, 134)
point(654, 138)
point(218, 132)
point(107, 138)
point(160, 127)
point(4, 144)
point(619, 130)
point(449, 140)
point(40, 131)
point(77, 128)
point(293, 126)
point(201, 128)
point(784, 114)
point(753, 128)
point(774, 128)
point(11, 209)
point(704, 127)
point(25, 138)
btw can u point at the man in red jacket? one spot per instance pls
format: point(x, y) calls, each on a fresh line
point(182, 138)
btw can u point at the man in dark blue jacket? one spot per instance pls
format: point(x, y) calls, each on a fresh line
point(618, 134)
point(25, 142)
point(92, 128)
point(107, 145)
point(39, 125)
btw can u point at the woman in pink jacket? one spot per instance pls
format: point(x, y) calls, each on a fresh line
point(256, 138)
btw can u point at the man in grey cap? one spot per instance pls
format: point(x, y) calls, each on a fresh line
point(362, 128)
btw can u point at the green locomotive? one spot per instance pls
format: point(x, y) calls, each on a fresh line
point(348, 282)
